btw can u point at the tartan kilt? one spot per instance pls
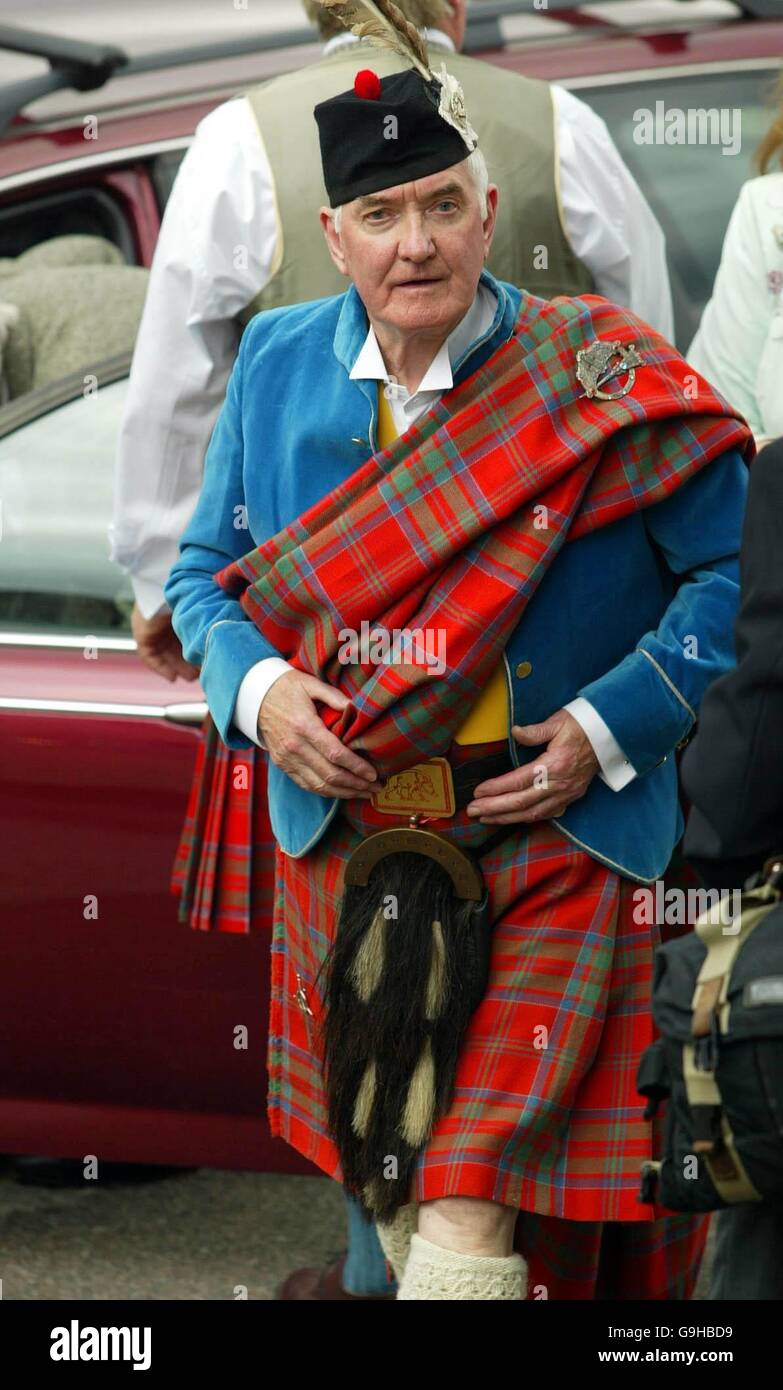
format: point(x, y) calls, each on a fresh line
point(223, 871)
point(545, 1115)
point(620, 1261)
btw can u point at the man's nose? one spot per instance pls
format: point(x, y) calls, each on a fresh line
point(415, 242)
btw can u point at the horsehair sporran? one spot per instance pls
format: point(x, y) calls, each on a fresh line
point(407, 969)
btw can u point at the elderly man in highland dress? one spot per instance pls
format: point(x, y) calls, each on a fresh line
point(460, 991)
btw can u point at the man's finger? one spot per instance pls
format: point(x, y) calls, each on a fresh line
point(319, 690)
point(516, 800)
point(335, 753)
point(550, 809)
point(315, 774)
point(294, 717)
point(533, 735)
point(180, 667)
point(515, 781)
point(325, 772)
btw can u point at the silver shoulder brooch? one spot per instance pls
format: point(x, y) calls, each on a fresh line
point(602, 362)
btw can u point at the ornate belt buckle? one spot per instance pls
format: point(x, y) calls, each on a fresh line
point(424, 789)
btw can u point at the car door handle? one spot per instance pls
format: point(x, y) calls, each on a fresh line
point(194, 712)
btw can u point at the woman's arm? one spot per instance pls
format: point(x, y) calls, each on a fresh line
point(734, 326)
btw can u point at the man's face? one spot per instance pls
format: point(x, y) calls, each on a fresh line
point(415, 252)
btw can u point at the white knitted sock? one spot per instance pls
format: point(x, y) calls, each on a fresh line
point(432, 1272)
point(395, 1237)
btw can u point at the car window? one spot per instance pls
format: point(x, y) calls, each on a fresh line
point(691, 187)
point(164, 168)
point(68, 212)
point(56, 485)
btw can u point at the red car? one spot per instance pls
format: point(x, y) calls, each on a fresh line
point(118, 1023)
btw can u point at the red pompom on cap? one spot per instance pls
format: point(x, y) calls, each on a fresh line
point(367, 84)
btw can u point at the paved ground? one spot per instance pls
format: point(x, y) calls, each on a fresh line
point(193, 1236)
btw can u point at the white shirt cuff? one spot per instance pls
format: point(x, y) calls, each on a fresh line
point(149, 597)
point(616, 771)
point(251, 693)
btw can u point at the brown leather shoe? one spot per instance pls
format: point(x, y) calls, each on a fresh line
point(324, 1285)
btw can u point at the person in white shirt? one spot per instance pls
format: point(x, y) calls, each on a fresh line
point(739, 342)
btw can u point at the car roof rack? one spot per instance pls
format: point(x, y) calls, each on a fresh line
point(485, 29)
point(83, 66)
point(72, 63)
point(76, 64)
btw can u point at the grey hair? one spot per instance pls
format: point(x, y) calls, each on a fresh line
point(476, 165)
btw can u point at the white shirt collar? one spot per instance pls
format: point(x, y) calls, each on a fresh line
point(431, 36)
point(370, 366)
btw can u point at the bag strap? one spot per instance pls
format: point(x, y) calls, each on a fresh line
point(724, 943)
point(713, 1139)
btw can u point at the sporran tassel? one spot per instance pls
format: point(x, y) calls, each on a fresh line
point(367, 967)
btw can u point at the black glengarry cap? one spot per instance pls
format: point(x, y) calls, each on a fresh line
point(387, 131)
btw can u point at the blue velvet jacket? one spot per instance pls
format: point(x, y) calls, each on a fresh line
point(636, 617)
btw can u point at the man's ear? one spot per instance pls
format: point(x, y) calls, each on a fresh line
point(491, 217)
point(457, 21)
point(333, 241)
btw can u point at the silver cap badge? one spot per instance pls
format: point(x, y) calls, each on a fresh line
point(452, 107)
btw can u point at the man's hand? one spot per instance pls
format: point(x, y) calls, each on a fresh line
point(543, 789)
point(299, 742)
point(159, 646)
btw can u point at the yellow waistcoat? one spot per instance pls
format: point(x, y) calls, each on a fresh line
point(488, 719)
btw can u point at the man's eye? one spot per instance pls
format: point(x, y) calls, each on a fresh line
point(377, 215)
point(446, 204)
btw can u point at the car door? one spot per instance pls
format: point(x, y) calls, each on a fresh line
point(118, 1022)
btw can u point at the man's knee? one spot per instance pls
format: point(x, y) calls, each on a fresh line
point(465, 1222)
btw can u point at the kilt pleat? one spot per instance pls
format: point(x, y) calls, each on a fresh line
point(616, 1261)
point(223, 870)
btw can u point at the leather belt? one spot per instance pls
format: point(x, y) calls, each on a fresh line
point(438, 788)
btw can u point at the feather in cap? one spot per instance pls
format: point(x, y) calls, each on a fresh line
point(388, 28)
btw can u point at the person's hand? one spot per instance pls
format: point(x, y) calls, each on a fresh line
point(300, 744)
point(159, 646)
point(542, 789)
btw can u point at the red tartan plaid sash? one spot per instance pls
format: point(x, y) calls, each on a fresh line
point(445, 531)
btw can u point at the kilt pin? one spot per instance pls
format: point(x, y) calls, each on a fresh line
point(223, 872)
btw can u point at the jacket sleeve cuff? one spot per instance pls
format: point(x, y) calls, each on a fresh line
point(639, 683)
point(233, 647)
point(616, 770)
point(251, 694)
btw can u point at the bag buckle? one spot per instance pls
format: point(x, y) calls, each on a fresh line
point(706, 1048)
point(773, 872)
